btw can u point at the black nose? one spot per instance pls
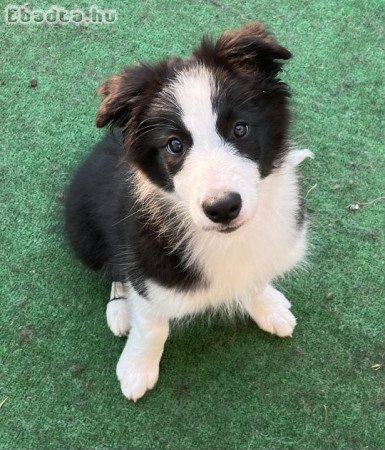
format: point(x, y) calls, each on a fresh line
point(224, 209)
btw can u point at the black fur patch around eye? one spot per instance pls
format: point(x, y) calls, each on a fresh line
point(263, 105)
point(151, 154)
point(247, 145)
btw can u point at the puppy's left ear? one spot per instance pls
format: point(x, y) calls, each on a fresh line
point(249, 49)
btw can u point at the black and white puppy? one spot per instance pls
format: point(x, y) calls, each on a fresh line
point(191, 200)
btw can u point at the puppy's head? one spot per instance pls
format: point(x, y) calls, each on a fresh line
point(208, 129)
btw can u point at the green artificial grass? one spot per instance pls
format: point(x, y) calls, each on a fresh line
point(222, 384)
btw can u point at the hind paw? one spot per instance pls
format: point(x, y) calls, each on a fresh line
point(118, 311)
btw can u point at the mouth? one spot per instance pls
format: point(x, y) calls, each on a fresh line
point(224, 229)
point(228, 229)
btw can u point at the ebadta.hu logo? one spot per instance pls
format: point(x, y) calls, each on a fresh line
point(22, 14)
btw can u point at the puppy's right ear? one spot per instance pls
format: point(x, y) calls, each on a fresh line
point(119, 92)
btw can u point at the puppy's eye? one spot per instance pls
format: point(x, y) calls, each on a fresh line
point(174, 146)
point(240, 129)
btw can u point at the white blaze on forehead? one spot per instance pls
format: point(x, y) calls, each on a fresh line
point(193, 91)
point(212, 166)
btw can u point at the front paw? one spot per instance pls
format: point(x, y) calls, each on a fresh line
point(272, 313)
point(279, 321)
point(137, 377)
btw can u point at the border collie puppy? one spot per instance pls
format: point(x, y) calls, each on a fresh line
point(191, 200)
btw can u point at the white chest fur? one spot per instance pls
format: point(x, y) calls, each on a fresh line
point(241, 263)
